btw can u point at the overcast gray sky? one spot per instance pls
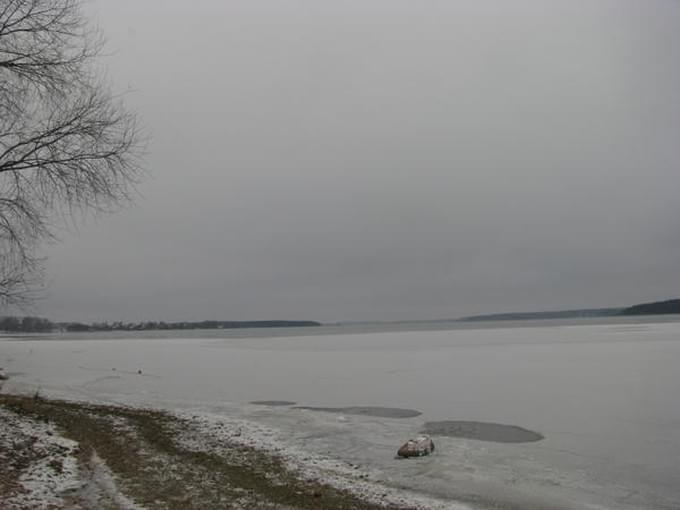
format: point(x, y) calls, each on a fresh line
point(387, 159)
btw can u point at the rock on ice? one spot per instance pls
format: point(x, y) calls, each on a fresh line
point(418, 447)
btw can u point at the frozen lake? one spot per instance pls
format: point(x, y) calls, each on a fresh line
point(605, 397)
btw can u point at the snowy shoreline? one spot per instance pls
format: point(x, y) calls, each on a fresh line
point(54, 473)
point(587, 451)
point(307, 466)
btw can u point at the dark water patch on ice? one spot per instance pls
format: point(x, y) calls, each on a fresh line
point(379, 412)
point(273, 403)
point(481, 431)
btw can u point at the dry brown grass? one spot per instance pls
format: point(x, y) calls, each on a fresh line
point(151, 467)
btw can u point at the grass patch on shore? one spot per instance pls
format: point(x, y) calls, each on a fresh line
point(152, 467)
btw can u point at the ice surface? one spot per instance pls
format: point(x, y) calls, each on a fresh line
point(377, 411)
point(603, 396)
point(495, 432)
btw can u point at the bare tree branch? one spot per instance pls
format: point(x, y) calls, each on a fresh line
point(67, 145)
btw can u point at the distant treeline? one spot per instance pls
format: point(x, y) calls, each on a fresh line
point(558, 314)
point(656, 308)
point(26, 325)
point(40, 325)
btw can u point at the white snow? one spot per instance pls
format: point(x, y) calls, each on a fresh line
point(54, 473)
point(218, 431)
point(103, 483)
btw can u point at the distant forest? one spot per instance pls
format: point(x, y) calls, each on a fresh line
point(670, 306)
point(656, 308)
point(40, 325)
point(557, 314)
point(26, 325)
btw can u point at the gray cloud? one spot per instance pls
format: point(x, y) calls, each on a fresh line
point(387, 159)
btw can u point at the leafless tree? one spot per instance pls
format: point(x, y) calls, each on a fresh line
point(67, 144)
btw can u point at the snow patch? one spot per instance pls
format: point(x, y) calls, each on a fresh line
point(52, 469)
point(219, 431)
point(102, 484)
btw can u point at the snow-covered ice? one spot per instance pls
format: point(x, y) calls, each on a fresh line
point(603, 395)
